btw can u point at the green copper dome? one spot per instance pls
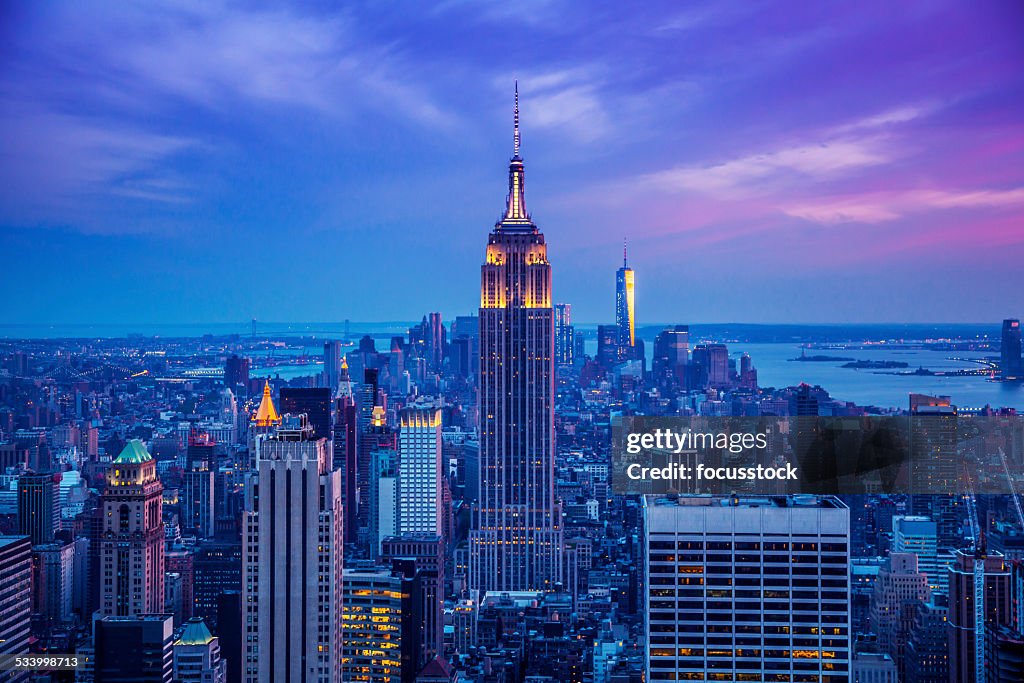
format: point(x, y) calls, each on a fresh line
point(134, 453)
point(195, 633)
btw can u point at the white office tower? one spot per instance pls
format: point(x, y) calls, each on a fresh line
point(292, 559)
point(747, 588)
point(419, 471)
point(920, 536)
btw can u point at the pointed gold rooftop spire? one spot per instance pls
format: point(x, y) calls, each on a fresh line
point(266, 415)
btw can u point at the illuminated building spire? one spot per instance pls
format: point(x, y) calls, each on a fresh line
point(625, 263)
point(515, 204)
point(266, 415)
point(515, 131)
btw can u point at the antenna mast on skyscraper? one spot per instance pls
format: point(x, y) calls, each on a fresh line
point(515, 118)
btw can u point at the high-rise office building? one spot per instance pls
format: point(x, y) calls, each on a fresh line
point(381, 625)
point(919, 535)
point(899, 588)
point(346, 447)
point(236, 371)
point(564, 332)
point(998, 609)
point(671, 354)
point(332, 365)
point(39, 506)
point(132, 541)
point(292, 558)
point(420, 476)
point(197, 497)
point(16, 605)
point(1010, 351)
point(436, 340)
point(314, 402)
point(625, 308)
point(197, 655)
point(516, 540)
point(130, 649)
point(927, 654)
point(713, 360)
point(216, 567)
point(607, 345)
point(747, 588)
point(428, 555)
point(53, 582)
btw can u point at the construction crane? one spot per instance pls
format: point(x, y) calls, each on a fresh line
point(1013, 489)
point(979, 581)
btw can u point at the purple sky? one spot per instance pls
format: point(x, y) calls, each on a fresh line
point(201, 162)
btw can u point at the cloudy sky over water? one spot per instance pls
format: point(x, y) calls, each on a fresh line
point(207, 162)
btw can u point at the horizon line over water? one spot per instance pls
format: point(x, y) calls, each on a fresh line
point(780, 332)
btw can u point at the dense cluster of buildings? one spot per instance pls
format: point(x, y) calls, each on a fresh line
point(435, 506)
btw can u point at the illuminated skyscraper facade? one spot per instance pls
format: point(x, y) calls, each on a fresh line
point(515, 543)
point(419, 471)
point(625, 308)
point(132, 545)
point(564, 333)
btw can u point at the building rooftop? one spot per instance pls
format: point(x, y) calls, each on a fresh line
point(134, 452)
point(195, 633)
point(782, 501)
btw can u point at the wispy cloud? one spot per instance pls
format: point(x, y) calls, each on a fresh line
point(758, 173)
point(887, 206)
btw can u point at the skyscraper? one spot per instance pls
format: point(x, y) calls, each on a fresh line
point(197, 491)
point(381, 626)
point(236, 371)
point(436, 339)
point(671, 353)
point(292, 558)
point(332, 365)
point(998, 609)
point(39, 506)
point(136, 648)
point(314, 402)
point(132, 544)
point(345, 445)
point(899, 588)
point(625, 319)
point(1010, 351)
point(197, 655)
point(563, 334)
point(428, 556)
point(515, 543)
point(419, 471)
point(747, 588)
point(16, 607)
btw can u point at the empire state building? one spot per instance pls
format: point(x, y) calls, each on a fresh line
point(516, 539)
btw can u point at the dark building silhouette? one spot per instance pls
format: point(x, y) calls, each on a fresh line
point(236, 371)
point(1010, 351)
point(314, 402)
point(134, 649)
point(229, 630)
point(39, 506)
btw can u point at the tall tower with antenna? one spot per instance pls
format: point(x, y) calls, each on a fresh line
point(516, 539)
point(625, 307)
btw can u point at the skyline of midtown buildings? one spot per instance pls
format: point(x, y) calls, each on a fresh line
point(516, 541)
point(435, 504)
